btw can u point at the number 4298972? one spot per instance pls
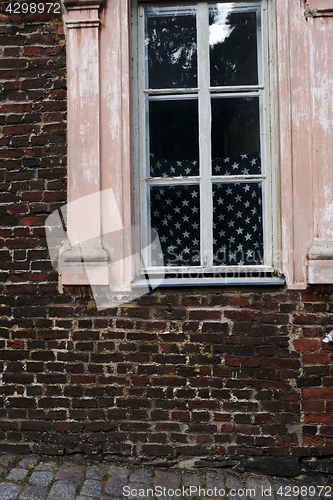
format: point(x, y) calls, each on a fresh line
point(33, 8)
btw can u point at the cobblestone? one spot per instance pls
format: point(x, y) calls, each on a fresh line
point(17, 474)
point(78, 478)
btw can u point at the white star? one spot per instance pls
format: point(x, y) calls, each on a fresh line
point(247, 236)
point(232, 256)
point(239, 230)
point(217, 168)
point(171, 248)
point(169, 217)
point(230, 207)
point(185, 202)
point(220, 201)
point(246, 187)
point(253, 161)
point(235, 165)
point(222, 233)
point(247, 220)
point(187, 171)
point(239, 214)
point(231, 239)
point(177, 225)
point(254, 210)
point(179, 193)
point(254, 194)
point(172, 170)
point(165, 222)
point(238, 198)
point(195, 225)
point(164, 174)
point(255, 227)
point(231, 223)
point(163, 239)
point(194, 209)
point(154, 246)
point(239, 248)
point(194, 194)
point(178, 241)
point(226, 159)
point(177, 210)
point(186, 234)
point(221, 216)
point(249, 253)
point(185, 218)
point(179, 163)
point(229, 190)
point(195, 241)
point(243, 156)
point(156, 213)
point(245, 171)
point(186, 250)
point(247, 204)
point(168, 201)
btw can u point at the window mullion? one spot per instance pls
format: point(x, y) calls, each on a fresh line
point(206, 203)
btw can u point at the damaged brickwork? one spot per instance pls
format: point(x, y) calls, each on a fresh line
point(181, 372)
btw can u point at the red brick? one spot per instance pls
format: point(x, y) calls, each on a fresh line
point(307, 344)
point(316, 358)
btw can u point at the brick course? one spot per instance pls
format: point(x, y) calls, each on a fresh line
point(220, 371)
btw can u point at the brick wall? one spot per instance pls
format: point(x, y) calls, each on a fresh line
point(221, 371)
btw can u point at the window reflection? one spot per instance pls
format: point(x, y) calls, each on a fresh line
point(171, 42)
point(233, 45)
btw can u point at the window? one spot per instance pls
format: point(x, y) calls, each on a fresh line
point(203, 138)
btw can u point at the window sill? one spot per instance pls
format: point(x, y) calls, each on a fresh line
point(271, 280)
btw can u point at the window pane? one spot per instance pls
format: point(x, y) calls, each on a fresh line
point(173, 138)
point(237, 224)
point(172, 47)
point(175, 214)
point(235, 136)
point(232, 46)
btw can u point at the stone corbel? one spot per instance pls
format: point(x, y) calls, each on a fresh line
point(84, 255)
point(320, 263)
point(318, 8)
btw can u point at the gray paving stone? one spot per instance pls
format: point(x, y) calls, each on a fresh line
point(2, 470)
point(116, 481)
point(91, 488)
point(80, 497)
point(93, 472)
point(42, 478)
point(167, 479)
point(190, 479)
point(24, 464)
point(70, 472)
point(115, 485)
point(282, 483)
point(140, 476)
point(9, 491)
point(6, 459)
point(63, 490)
point(17, 474)
point(33, 493)
point(262, 488)
point(46, 466)
point(214, 480)
point(114, 471)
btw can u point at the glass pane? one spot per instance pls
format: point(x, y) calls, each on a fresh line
point(175, 214)
point(237, 224)
point(235, 136)
point(173, 138)
point(171, 42)
point(233, 45)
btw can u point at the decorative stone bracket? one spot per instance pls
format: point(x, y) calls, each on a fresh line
point(318, 8)
point(320, 263)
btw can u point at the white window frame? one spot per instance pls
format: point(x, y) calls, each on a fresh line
point(269, 196)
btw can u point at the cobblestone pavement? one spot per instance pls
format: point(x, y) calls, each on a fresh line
point(31, 477)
